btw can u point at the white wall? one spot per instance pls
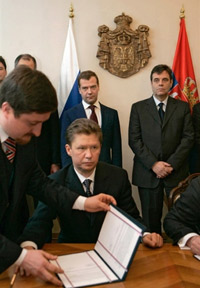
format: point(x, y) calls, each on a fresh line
point(39, 27)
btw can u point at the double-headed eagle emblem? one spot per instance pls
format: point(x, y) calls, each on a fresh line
point(123, 51)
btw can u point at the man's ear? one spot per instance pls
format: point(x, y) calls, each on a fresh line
point(6, 108)
point(68, 149)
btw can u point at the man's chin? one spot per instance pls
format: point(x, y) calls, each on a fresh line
point(24, 140)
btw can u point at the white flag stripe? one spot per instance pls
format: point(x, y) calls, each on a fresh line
point(69, 69)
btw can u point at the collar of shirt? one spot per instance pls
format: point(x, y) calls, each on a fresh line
point(88, 111)
point(82, 179)
point(158, 102)
point(3, 135)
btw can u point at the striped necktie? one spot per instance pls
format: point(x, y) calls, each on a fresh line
point(87, 183)
point(10, 145)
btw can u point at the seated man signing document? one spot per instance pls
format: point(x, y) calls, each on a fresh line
point(86, 176)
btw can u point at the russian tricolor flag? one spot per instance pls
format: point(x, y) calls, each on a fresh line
point(68, 94)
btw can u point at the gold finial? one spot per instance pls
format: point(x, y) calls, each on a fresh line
point(182, 13)
point(71, 11)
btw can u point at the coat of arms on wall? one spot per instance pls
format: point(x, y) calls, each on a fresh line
point(123, 51)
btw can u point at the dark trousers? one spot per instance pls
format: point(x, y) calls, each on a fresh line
point(152, 205)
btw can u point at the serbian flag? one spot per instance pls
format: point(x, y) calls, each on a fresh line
point(68, 94)
point(184, 84)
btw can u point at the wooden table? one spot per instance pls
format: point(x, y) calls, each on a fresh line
point(167, 267)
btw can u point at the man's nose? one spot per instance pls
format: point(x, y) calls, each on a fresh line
point(37, 129)
point(88, 153)
point(89, 90)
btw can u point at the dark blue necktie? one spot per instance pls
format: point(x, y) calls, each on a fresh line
point(161, 111)
point(87, 183)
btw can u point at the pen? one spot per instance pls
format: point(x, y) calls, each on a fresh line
point(13, 279)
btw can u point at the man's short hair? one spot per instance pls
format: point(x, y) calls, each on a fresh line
point(83, 126)
point(159, 69)
point(26, 57)
point(28, 91)
point(86, 75)
point(2, 60)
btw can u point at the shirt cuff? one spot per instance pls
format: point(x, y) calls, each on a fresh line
point(19, 261)
point(182, 242)
point(28, 243)
point(79, 204)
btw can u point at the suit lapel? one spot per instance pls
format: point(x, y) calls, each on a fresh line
point(72, 182)
point(152, 110)
point(81, 111)
point(170, 109)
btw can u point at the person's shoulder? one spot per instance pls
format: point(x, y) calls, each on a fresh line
point(72, 109)
point(108, 109)
point(178, 102)
point(61, 174)
point(142, 102)
point(110, 169)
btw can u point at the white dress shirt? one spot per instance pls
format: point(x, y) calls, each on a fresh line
point(88, 111)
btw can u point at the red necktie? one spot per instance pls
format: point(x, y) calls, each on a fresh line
point(93, 115)
point(10, 145)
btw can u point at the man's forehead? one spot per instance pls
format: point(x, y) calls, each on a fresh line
point(85, 81)
point(35, 117)
point(163, 74)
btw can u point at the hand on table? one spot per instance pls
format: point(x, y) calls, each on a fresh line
point(36, 263)
point(194, 244)
point(153, 240)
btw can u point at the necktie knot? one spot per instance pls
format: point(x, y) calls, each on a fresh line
point(161, 111)
point(10, 145)
point(87, 183)
point(93, 115)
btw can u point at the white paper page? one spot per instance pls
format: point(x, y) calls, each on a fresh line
point(117, 239)
point(84, 269)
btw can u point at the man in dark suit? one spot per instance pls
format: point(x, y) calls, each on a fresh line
point(84, 138)
point(107, 118)
point(27, 99)
point(195, 155)
point(182, 223)
point(48, 143)
point(161, 136)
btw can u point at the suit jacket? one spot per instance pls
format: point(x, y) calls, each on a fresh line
point(152, 141)
point(48, 143)
point(28, 178)
point(111, 151)
point(184, 217)
point(82, 226)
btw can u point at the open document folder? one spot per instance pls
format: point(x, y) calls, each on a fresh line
point(113, 253)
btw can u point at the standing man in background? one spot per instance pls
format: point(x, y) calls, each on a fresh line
point(3, 71)
point(48, 143)
point(161, 136)
point(91, 108)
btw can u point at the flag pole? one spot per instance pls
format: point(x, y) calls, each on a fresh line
point(68, 90)
point(182, 13)
point(71, 11)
